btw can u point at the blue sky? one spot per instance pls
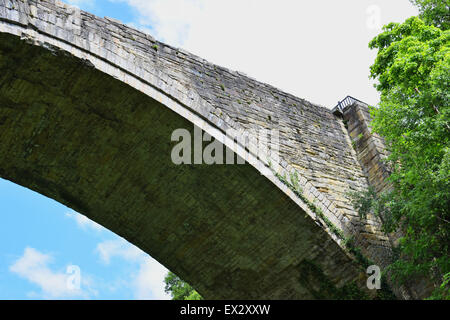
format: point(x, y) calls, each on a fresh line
point(40, 238)
point(314, 49)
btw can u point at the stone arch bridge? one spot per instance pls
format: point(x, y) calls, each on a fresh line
point(87, 109)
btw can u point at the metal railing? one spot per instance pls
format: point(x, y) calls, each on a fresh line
point(348, 100)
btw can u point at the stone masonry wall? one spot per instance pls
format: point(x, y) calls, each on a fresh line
point(370, 146)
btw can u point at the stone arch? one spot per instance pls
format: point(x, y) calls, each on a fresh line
point(67, 32)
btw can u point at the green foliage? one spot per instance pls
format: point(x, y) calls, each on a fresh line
point(381, 205)
point(349, 243)
point(179, 289)
point(413, 72)
point(443, 292)
point(434, 12)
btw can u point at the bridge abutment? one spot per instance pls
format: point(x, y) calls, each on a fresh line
point(371, 153)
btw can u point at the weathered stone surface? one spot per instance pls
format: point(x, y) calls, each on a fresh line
point(87, 108)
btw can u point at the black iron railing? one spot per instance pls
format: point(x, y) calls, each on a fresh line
point(348, 100)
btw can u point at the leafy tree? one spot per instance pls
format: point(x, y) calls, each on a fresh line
point(434, 12)
point(413, 72)
point(179, 289)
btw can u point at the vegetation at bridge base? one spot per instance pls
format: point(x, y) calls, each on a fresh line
point(347, 242)
point(315, 281)
point(348, 291)
point(179, 289)
point(412, 68)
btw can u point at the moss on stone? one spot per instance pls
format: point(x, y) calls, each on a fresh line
point(320, 286)
point(348, 243)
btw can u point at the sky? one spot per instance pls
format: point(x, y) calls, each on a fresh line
point(316, 50)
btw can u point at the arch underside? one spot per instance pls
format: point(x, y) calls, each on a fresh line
point(101, 147)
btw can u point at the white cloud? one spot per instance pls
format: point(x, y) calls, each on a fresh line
point(118, 248)
point(84, 222)
point(316, 50)
point(170, 20)
point(148, 282)
point(34, 267)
